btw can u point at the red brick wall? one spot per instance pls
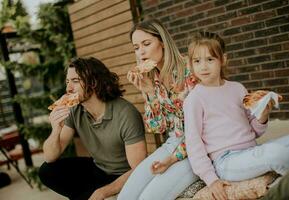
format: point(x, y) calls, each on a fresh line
point(256, 34)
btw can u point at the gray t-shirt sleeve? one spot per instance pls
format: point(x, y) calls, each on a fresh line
point(69, 120)
point(132, 126)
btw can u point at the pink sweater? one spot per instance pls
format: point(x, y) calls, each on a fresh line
point(216, 121)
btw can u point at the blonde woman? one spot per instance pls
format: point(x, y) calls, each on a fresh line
point(164, 89)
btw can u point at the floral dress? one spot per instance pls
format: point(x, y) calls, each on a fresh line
point(164, 109)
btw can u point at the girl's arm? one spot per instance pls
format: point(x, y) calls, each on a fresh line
point(197, 154)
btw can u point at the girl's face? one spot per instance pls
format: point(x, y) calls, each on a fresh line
point(206, 67)
point(147, 46)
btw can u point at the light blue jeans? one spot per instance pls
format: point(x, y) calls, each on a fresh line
point(143, 185)
point(252, 162)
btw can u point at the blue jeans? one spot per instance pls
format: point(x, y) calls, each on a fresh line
point(240, 165)
point(143, 185)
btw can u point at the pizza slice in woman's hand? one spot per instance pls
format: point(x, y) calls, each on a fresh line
point(145, 67)
point(68, 100)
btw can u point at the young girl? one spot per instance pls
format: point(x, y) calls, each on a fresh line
point(220, 132)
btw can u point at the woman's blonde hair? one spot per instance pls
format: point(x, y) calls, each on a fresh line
point(213, 42)
point(173, 60)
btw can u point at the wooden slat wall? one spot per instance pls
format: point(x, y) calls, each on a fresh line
point(101, 29)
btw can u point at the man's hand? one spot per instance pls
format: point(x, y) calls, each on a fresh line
point(57, 116)
point(99, 194)
point(217, 190)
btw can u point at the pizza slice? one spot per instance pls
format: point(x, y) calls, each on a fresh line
point(145, 67)
point(68, 100)
point(251, 99)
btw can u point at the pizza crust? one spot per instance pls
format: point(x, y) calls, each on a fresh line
point(251, 99)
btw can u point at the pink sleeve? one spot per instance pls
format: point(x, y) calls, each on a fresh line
point(196, 150)
point(257, 127)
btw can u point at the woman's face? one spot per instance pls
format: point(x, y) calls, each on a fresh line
point(147, 46)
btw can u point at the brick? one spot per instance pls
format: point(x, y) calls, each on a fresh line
point(264, 15)
point(186, 12)
point(247, 52)
point(196, 17)
point(192, 3)
point(221, 2)
point(285, 46)
point(284, 28)
point(284, 106)
point(255, 43)
point(274, 4)
point(243, 37)
point(206, 22)
point(216, 11)
point(236, 62)
point(254, 26)
point(252, 2)
point(248, 68)
point(174, 8)
point(276, 81)
point(269, 49)
point(241, 21)
point(217, 27)
point(272, 65)
point(226, 16)
point(235, 6)
point(239, 77)
point(279, 38)
point(282, 89)
point(282, 72)
point(188, 27)
point(258, 59)
point(205, 6)
point(262, 75)
point(233, 47)
point(250, 10)
point(180, 36)
point(283, 10)
point(178, 22)
point(277, 21)
point(232, 31)
point(165, 19)
point(278, 56)
point(267, 32)
point(280, 115)
point(252, 84)
point(165, 4)
point(230, 56)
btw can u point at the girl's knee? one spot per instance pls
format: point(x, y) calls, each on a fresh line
point(277, 154)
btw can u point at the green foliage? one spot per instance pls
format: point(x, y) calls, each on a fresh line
point(54, 38)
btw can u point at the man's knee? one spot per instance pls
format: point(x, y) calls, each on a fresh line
point(46, 172)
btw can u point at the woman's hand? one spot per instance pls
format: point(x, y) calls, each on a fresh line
point(57, 117)
point(265, 115)
point(217, 190)
point(159, 167)
point(141, 82)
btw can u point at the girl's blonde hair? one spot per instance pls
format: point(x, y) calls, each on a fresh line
point(173, 60)
point(213, 42)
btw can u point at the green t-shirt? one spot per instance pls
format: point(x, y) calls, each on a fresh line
point(121, 125)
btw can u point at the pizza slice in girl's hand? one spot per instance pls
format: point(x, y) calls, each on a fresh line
point(257, 101)
point(68, 100)
point(145, 67)
point(252, 99)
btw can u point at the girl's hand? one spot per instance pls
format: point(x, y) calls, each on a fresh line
point(217, 190)
point(141, 82)
point(57, 116)
point(265, 115)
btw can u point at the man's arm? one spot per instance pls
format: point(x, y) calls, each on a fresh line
point(135, 153)
point(60, 136)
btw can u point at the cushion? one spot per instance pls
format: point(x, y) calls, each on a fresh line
point(248, 189)
point(192, 189)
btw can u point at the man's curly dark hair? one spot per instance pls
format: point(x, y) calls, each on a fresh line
point(97, 78)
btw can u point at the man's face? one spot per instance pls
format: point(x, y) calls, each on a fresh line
point(74, 84)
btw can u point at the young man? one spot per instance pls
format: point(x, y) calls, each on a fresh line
point(110, 128)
